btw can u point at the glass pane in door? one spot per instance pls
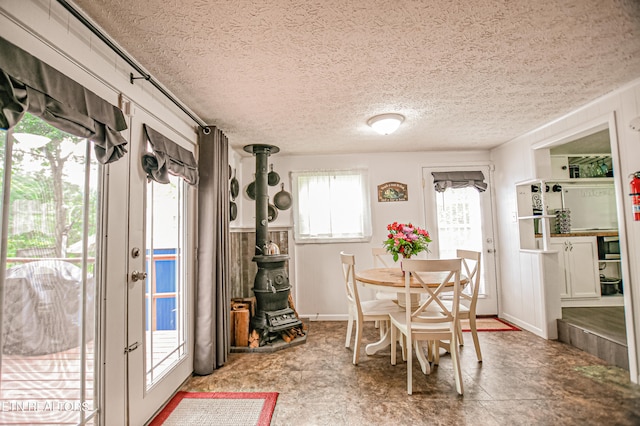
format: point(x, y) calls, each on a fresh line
point(459, 222)
point(50, 264)
point(165, 323)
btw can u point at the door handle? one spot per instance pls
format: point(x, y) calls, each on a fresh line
point(138, 276)
point(131, 348)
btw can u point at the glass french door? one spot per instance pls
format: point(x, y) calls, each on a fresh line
point(51, 274)
point(462, 218)
point(158, 291)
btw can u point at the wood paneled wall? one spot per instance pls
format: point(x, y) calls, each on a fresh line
point(243, 269)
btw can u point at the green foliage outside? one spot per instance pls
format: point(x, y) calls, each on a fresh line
point(41, 175)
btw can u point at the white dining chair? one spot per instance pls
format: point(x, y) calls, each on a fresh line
point(431, 320)
point(360, 311)
point(471, 264)
point(382, 259)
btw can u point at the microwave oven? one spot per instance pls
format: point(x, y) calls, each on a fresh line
point(608, 248)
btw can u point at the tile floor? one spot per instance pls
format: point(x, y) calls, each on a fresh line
point(524, 380)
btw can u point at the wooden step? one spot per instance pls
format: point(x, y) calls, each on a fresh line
point(605, 348)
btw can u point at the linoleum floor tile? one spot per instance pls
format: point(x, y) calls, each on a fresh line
point(523, 380)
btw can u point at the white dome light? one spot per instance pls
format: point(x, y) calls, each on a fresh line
point(385, 124)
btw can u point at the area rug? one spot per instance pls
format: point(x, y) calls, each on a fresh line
point(489, 324)
point(218, 408)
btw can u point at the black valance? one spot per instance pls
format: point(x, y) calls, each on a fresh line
point(444, 180)
point(168, 157)
point(29, 85)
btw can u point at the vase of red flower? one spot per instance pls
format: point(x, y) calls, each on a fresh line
point(405, 240)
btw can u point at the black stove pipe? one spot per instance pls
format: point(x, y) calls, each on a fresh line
point(262, 152)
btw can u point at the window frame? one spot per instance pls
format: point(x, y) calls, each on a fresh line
point(306, 238)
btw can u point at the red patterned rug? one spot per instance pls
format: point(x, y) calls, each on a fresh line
point(218, 408)
point(489, 324)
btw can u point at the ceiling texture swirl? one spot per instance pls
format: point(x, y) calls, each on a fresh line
point(307, 75)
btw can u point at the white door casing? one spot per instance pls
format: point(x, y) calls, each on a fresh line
point(488, 299)
point(129, 398)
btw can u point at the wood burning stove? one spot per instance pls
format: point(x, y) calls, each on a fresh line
point(271, 285)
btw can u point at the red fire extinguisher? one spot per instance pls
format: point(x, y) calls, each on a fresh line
point(635, 195)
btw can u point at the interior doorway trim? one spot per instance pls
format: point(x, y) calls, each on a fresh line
point(606, 121)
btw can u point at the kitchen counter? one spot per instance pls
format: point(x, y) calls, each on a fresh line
point(593, 233)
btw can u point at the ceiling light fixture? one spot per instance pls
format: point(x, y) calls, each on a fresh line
point(385, 124)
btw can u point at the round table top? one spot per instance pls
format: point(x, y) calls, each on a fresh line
point(392, 277)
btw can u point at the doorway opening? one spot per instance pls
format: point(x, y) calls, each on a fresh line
point(584, 185)
point(461, 217)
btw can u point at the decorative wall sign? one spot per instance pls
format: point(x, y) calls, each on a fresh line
point(392, 191)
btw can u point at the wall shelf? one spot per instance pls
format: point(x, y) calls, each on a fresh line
point(531, 203)
point(583, 181)
point(588, 166)
point(536, 216)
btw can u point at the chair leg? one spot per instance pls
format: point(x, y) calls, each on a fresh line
point(403, 343)
point(409, 347)
point(356, 346)
point(349, 328)
point(455, 357)
point(474, 334)
point(459, 330)
point(393, 346)
point(436, 352)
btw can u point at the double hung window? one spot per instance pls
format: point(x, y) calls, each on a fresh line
point(331, 206)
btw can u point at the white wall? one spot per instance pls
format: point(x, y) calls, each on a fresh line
point(514, 162)
point(317, 279)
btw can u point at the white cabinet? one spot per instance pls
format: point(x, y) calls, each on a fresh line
point(559, 167)
point(578, 257)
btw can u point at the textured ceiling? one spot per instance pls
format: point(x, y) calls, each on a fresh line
point(306, 75)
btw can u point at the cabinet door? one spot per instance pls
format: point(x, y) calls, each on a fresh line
point(560, 245)
point(582, 267)
point(559, 167)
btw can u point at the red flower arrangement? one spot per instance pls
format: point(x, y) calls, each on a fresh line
point(406, 240)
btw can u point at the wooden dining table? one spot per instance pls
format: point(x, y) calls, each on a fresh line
point(393, 280)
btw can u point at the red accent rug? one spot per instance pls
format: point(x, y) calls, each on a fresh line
point(489, 324)
point(218, 408)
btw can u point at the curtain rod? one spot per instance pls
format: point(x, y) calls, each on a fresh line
point(132, 63)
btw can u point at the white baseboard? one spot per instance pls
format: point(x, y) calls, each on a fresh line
point(325, 317)
point(524, 325)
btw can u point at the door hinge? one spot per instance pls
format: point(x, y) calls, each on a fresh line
point(131, 347)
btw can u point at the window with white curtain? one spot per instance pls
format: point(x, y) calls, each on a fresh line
point(331, 206)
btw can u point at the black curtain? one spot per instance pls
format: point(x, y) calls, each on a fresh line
point(444, 180)
point(168, 157)
point(212, 287)
point(29, 85)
